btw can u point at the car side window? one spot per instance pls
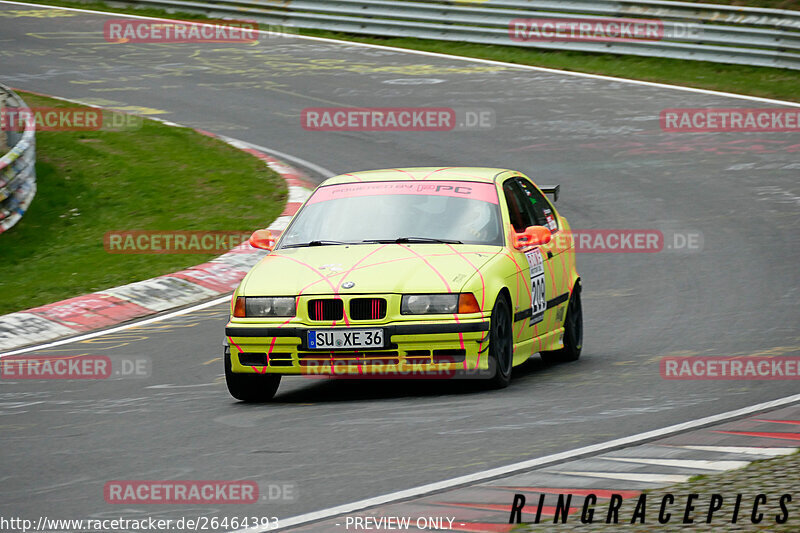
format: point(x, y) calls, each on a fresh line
point(520, 215)
point(537, 204)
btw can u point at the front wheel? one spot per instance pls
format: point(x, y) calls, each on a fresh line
point(573, 332)
point(501, 345)
point(250, 387)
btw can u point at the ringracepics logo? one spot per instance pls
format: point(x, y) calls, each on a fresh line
point(633, 507)
point(395, 119)
point(172, 242)
point(695, 120)
point(206, 31)
point(66, 119)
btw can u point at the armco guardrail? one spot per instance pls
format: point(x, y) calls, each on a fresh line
point(703, 32)
point(17, 166)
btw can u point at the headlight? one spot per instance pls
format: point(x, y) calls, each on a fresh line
point(439, 304)
point(265, 306)
point(429, 304)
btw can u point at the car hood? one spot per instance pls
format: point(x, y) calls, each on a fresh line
point(371, 268)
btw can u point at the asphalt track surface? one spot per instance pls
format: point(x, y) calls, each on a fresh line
point(340, 441)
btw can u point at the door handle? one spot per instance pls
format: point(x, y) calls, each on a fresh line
point(549, 254)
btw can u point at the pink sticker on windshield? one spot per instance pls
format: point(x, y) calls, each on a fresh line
point(458, 189)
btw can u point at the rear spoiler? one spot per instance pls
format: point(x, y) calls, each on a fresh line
point(551, 189)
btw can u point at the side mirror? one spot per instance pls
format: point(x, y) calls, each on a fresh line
point(263, 239)
point(532, 236)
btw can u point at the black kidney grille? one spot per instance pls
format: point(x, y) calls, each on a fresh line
point(367, 308)
point(326, 309)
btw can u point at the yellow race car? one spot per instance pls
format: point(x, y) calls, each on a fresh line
point(415, 272)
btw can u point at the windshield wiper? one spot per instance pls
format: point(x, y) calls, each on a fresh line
point(409, 240)
point(315, 243)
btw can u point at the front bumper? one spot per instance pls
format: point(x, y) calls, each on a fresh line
point(412, 349)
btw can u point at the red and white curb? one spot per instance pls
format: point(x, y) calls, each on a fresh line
point(120, 304)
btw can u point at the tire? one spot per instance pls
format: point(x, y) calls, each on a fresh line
point(250, 387)
point(573, 332)
point(501, 345)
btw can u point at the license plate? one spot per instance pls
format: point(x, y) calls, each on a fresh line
point(337, 339)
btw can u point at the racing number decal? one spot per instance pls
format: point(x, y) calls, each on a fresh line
point(551, 222)
point(538, 301)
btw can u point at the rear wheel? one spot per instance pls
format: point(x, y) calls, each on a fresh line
point(573, 332)
point(250, 387)
point(501, 344)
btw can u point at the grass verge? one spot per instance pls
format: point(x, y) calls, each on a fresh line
point(755, 81)
point(154, 178)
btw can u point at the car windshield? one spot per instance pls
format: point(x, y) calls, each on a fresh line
point(398, 211)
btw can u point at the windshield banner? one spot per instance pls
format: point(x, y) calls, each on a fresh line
point(485, 192)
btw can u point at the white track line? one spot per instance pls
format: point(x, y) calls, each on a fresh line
point(691, 464)
point(447, 56)
point(524, 465)
point(322, 171)
point(744, 450)
point(630, 476)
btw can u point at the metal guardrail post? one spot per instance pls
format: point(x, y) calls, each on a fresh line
point(17, 166)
